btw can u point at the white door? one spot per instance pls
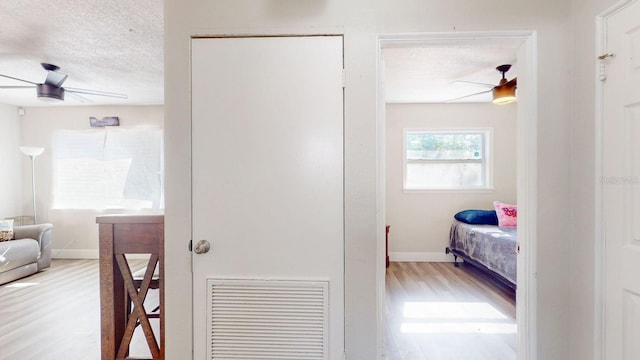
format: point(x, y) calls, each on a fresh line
point(621, 184)
point(267, 168)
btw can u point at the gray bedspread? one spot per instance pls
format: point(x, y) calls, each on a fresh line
point(489, 245)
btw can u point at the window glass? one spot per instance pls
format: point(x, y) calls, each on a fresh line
point(446, 159)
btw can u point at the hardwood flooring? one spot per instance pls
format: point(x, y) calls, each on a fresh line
point(436, 311)
point(54, 314)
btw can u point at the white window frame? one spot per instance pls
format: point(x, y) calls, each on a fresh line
point(486, 161)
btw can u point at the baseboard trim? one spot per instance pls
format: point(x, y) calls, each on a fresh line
point(393, 256)
point(420, 257)
point(86, 254)
point(74, 254)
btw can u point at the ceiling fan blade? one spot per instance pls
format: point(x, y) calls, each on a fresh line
point(78, 97)
point(15, 78)
point(470, 95)
point(55, 78)
point(16, 87)
point(97, 93)
point(473, 82)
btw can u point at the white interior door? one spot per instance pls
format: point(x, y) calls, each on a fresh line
point(621, 184)
point(267, 143)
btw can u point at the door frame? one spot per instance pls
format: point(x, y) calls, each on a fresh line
point(526, 295)
point(599, 251)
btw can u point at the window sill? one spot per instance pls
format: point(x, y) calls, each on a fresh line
point(451, 190)
point(107, 211)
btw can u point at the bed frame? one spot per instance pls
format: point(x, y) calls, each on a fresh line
point(497, 278)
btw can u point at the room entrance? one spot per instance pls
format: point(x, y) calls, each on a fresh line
point(393, 162)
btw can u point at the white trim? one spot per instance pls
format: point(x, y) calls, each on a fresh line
point(527, 193)
point(451, 191)
point(446, 38)
point(527, 168)
point(74, 254)
point(381, 206)
point(420, 257)
point(599, 253)
point(598, 266)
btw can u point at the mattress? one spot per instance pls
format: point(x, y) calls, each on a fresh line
point(489, 245)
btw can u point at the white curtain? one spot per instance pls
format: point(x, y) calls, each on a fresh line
point(109, 168)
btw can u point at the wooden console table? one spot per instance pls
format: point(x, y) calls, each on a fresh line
point(120, 235)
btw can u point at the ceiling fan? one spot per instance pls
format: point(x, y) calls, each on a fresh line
point(503, 93)
point(52, 88)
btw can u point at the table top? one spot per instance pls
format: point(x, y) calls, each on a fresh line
point(130, 219)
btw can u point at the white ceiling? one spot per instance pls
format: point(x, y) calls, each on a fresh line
point(117, 46)
point(428, 72)
point(107, 45)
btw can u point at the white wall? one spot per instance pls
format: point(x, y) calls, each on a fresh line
point(420, 221)
point(361, 21)
point(75, 233)
point(11, 160)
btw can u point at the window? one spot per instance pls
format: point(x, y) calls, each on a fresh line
point(447, 159)
point(110, 168)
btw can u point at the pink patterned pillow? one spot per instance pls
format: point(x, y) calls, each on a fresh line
point(507, 214)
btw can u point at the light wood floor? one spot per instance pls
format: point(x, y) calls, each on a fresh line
point(54, 314)
point(436, 311)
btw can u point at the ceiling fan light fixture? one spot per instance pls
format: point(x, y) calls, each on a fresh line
point(503, 94)
point(50, 93)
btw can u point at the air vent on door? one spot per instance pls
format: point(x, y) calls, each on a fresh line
point(258, 319)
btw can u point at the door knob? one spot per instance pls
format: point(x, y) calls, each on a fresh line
point(202, 247)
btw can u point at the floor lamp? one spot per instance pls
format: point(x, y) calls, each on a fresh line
point(32, 152)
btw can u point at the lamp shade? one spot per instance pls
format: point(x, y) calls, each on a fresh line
point(31, 150)
point(504, 94)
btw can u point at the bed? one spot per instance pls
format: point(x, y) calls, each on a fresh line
point(490, 248)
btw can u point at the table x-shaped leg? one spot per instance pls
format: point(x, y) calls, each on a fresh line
point(137, 297)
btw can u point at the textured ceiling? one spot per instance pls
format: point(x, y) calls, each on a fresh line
point(117, 46)
point(417, 72)
point(107, 45)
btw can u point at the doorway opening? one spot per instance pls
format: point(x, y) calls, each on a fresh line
point(418, 111)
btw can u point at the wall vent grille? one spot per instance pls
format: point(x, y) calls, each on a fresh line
point(264, 319)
